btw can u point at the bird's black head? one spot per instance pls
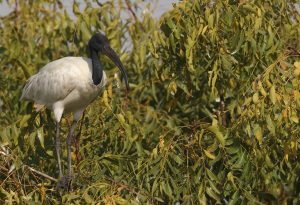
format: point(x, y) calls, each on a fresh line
point(98, 41)
point(100, 44)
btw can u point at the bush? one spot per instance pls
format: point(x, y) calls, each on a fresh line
point(212, 116)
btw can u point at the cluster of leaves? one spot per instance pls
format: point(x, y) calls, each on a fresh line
point(212, 116)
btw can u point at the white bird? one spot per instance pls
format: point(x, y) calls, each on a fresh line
point(70, 84)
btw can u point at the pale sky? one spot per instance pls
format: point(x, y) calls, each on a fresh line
point(159, 8)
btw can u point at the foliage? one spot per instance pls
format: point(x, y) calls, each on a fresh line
point(212, 116)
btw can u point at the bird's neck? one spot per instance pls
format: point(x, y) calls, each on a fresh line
point(97, 67)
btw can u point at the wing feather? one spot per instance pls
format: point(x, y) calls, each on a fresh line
point(54, 82)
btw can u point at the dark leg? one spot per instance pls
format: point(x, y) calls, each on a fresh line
point(76, 143)
point(69, 143)
point(65, 181)
point(57, 147)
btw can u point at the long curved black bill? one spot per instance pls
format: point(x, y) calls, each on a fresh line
point(115, 58)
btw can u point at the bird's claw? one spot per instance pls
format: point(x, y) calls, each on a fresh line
point(65, 183)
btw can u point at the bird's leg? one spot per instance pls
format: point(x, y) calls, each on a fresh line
point(69, 143)
point(76, 143)
point(65, 181)
point(57, 147)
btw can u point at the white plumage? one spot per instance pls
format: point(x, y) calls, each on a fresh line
point(64, 85)
point(70, 84)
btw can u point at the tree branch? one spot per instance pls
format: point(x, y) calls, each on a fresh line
point(41, 173)
point(128, 4)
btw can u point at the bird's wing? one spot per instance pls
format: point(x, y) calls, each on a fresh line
point(53, 83)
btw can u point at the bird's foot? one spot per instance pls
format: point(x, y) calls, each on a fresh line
point(65, 183)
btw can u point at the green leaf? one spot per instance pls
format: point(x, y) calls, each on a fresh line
point(255, 98)
point(40, 135)
point(234, 199)
point(121, 118)
point(172, 42)
point(273, 95)
point(177, 159)
point(3, 191)
point(212, 194)
point(166, 188)
point(86, 34)
point(294, 117)
point(214, 187)
point(24, 119)
point(210, 20)
point(88, 199)
point(170, 23)
point(233, 149)
point(213, 75)
point(215, 129)
point(184, 87)
point(258, 133)
point(76, 8)
point(240, 37)
point(211, 175)
point(209, 155)
point(241, 161)
point(251, 198)
point(270, 125)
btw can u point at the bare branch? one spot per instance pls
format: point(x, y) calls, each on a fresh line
point(40, 173)
point(128, 4)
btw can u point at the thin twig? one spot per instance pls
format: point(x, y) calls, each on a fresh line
point(99, 3)
point(3, 168)
point(30, 168)
point(128, 4)
point(40, 173)
point(3, 153)
point(222, 108)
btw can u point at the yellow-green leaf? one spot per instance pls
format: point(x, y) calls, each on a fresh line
point(258, 133)
point(294, 117)
point(270, 124)
point(211, 20)
point(297, 68)
point(40, 135)
point(88, 199)
point(121, 118)
point(273, 95)
point(255, 98)
point(172, 88)
point(215, 129)
point(209, 155)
